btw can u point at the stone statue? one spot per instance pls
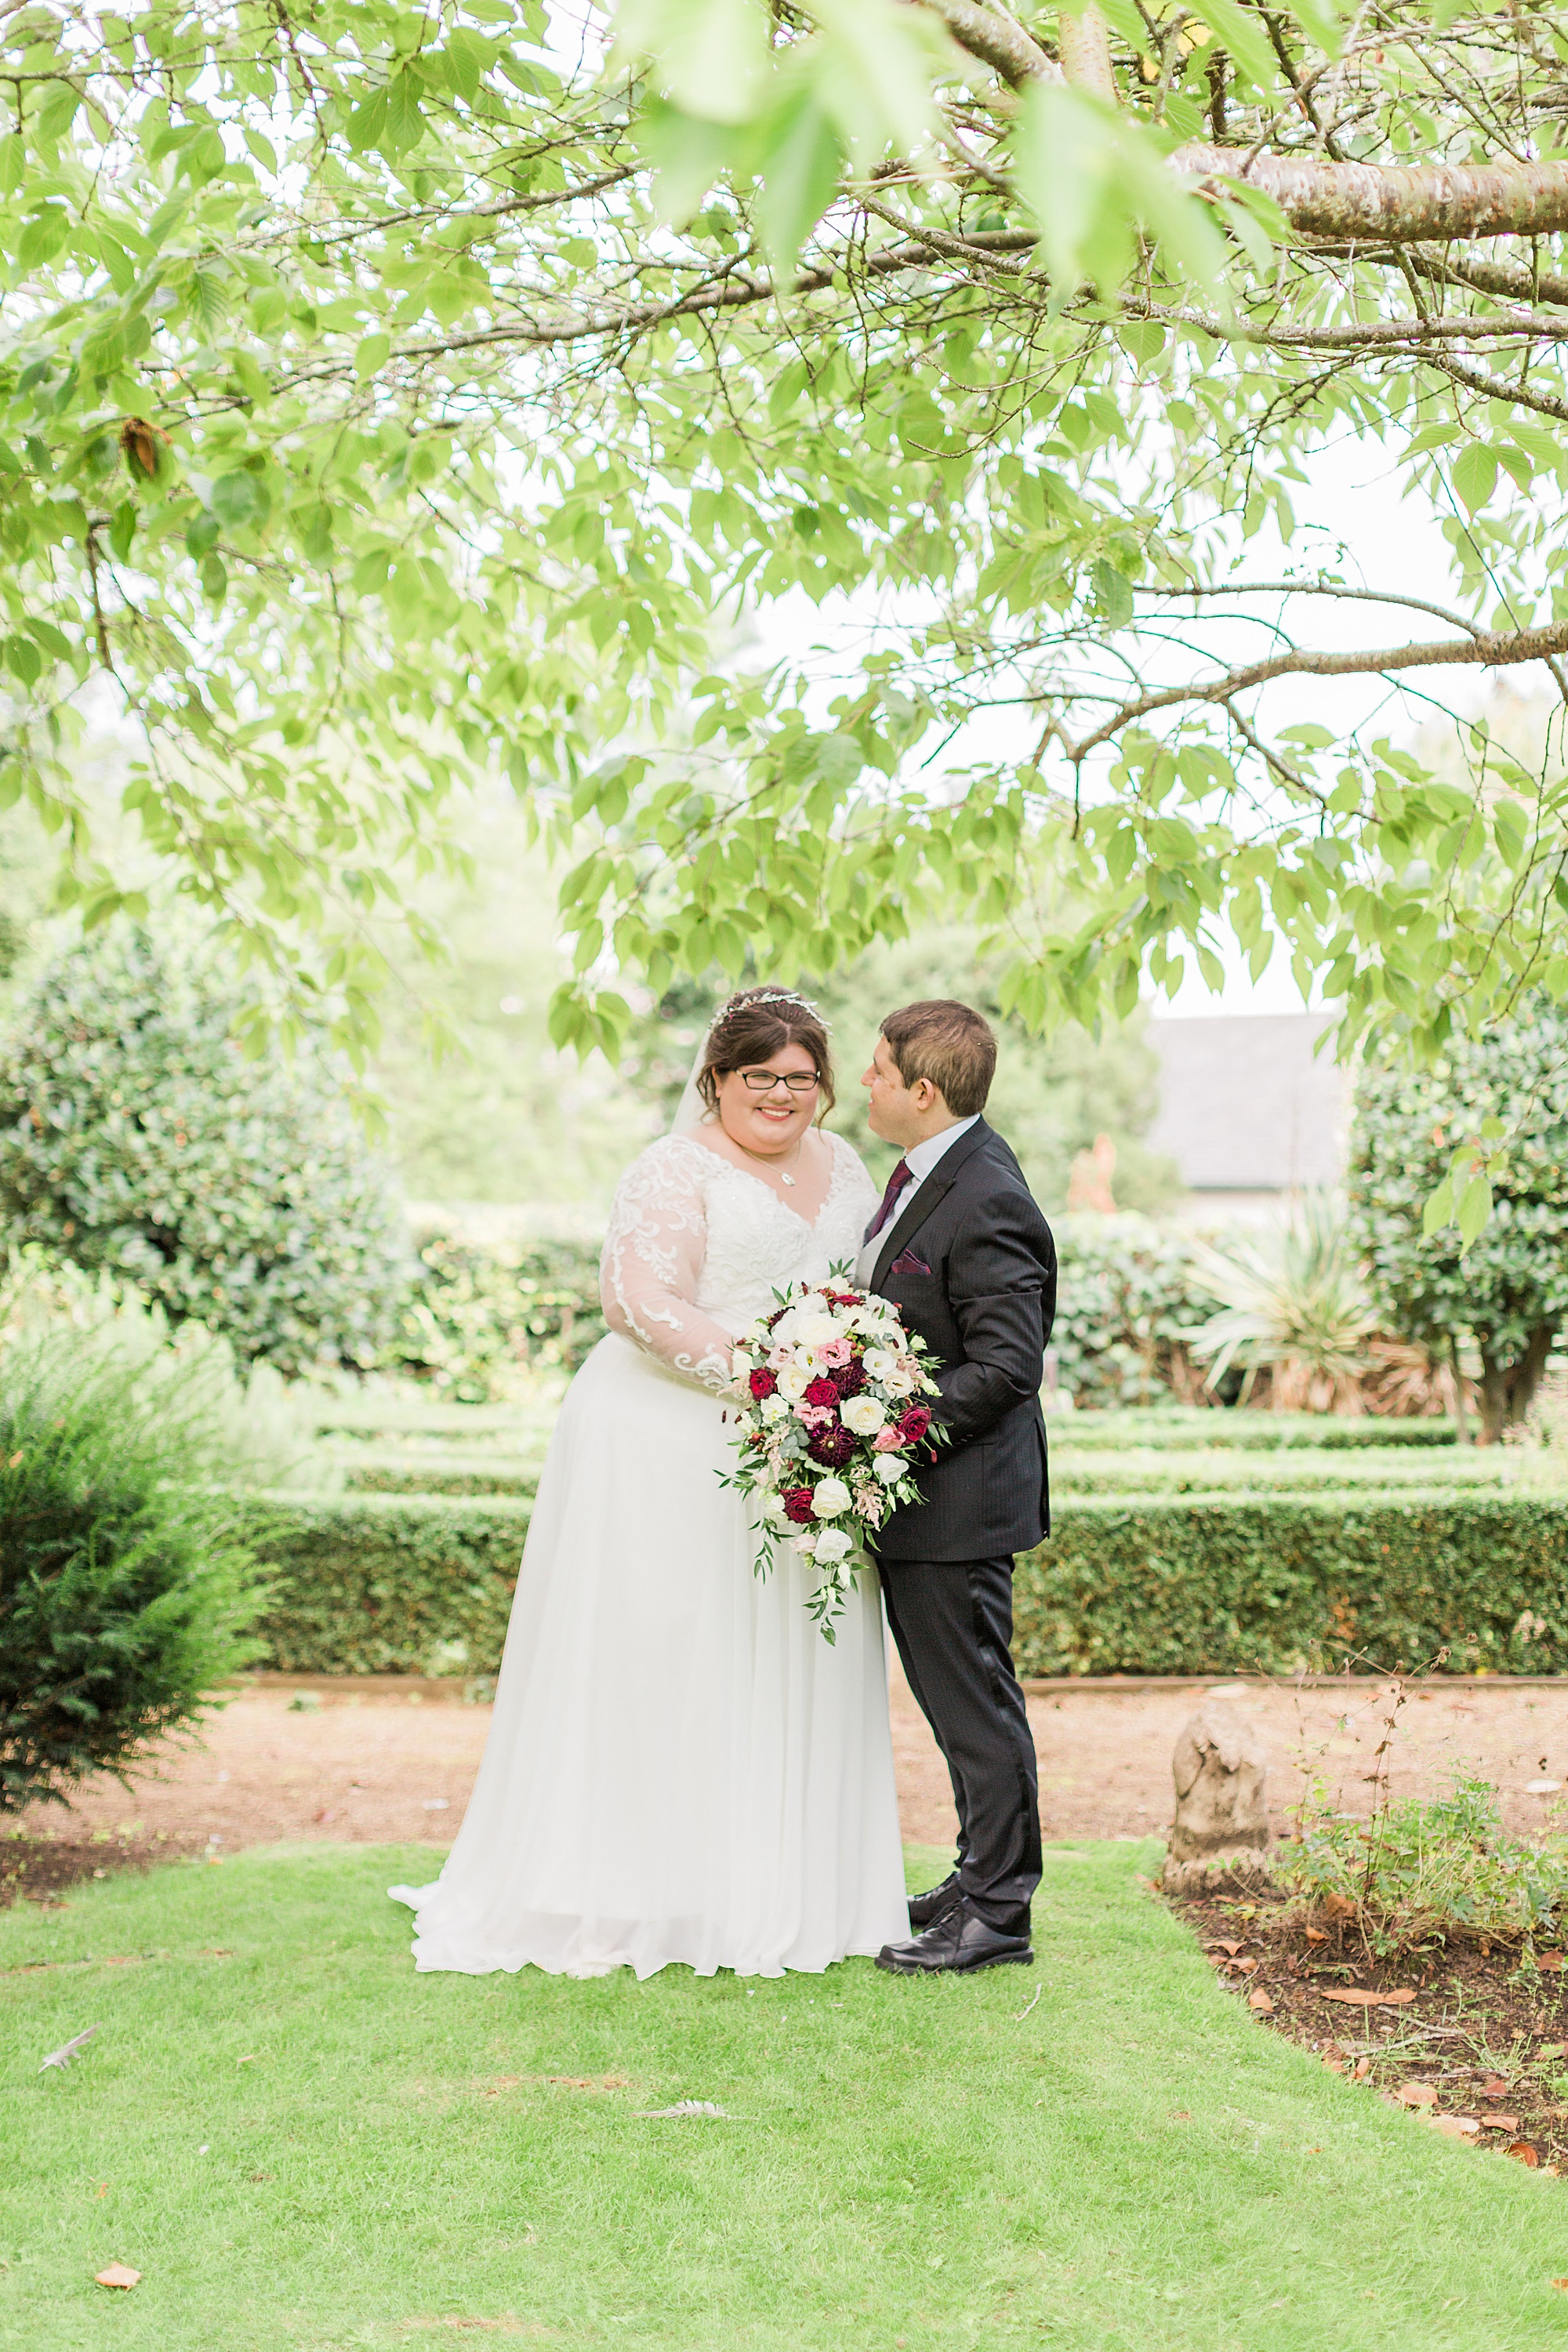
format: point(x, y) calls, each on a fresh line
point(1221, 1831)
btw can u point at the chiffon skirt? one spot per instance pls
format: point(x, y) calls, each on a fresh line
point(680, 1767)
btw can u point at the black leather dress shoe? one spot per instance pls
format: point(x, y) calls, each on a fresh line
point(924, 1908)
point(960, 1940)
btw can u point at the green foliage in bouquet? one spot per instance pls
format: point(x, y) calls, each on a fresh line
point(479, 1315)
point(126, 1589)
point(1504, 1286)
point(138, 1140)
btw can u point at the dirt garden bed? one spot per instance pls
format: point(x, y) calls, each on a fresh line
point(1472, 2039)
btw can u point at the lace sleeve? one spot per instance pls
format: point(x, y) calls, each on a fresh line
point(653, 1256)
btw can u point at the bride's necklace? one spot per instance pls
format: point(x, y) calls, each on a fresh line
point(784, 1176)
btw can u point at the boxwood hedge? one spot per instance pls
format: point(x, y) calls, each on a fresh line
point(1210, 1583)
point(1274, 1584)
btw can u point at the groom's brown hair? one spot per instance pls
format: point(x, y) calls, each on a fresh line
point(948, 1044)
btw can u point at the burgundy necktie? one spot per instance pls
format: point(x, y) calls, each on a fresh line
point(902, 1174)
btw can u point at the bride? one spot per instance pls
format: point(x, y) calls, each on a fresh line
point(680, 1767)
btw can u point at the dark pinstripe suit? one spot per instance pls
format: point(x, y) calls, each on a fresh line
point(970, 1265)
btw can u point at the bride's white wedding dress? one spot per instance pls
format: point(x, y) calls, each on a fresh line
point(679, 1768)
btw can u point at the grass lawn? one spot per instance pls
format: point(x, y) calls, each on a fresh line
point(301, 2144)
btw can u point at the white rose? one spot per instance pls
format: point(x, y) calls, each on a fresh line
point(774, 1513)
point(740, 1364)
point(833, 1544)
point(793, 1381)
point(863, 1414)
point(831, 1496)
point(900, 1381)
point(775, 1408)
point(878, 1362)
point(807, 1539)
point(817, 1330)
point(890, 1468)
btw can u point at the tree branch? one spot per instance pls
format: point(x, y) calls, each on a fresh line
point(1488, 649)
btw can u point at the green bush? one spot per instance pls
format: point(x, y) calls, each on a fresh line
point(392, 1470)
point(137, 1140)
point(1201, 1585)
point(1419, 1873)
point(1263, 1432)
point(1127, 1307)
point(125, 1591)
point(372, 1584)
point(1276, 1583)
point(1295, 1468)
point(479, 1315)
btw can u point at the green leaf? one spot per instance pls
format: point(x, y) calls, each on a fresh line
point(1474, 475)
point(711, 55)
point(1113, 593)
point(1473, 1209)
point(240, 500)
point(798, 162)
point(1438, 1211)
point(1242, 37)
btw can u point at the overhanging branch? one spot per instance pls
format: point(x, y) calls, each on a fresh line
point(1486, 649)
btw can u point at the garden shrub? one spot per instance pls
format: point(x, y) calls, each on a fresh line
point(392, 1470)
point(1127, 1308)
point(1418, 1872)
point(1507, 1288)
point(373, 1584)
point(1263, 1433)
point(138, 1141)
point(479, 1315)
point(1278, 1583)
point(1208, 1584)
point(126, 1590)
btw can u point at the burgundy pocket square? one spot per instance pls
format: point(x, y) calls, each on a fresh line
point(909, 1264)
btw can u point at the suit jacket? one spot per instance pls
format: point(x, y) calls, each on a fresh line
point(970, 1265)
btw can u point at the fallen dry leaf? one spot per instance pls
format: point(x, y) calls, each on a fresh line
point(1244, 1967)
point(1560, 2283)
point(117, 2274)
point(1222, 1945)
point(1456, 2127)
point(1363, 2069)
point(1523, 2153)
point(1315, 1936)
point(1494, 2089)
point(1338, 1907)
point(1549, 1960)
point(1260, 2001)
point(1360, 2000)
point(684, 2107)
point(1503, 2123)
point(1416, 2094)
point(1542, 1788)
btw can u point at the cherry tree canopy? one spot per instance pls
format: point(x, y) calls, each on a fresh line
point(392, 396)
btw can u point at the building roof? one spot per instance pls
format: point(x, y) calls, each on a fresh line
point(1245, 1106)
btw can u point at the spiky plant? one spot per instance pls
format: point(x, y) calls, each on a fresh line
point(1293, 1303)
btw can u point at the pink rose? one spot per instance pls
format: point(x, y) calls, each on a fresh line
point(887, 1440)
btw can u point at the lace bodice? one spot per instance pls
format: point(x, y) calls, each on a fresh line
point(697, 1247)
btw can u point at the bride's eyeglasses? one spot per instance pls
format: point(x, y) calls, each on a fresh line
point(763, 1082)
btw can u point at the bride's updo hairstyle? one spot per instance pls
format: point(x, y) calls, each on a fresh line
point(753, 1027)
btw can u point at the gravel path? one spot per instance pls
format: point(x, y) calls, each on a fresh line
point(397, 1766)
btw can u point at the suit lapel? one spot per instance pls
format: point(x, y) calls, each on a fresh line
point(928, 1196)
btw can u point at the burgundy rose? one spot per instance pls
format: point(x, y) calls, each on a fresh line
point(823, 1392)
point(762, 1384)
point(913, 1423)
point(832, 1447)
point(850, 1378)
point(797, 1505)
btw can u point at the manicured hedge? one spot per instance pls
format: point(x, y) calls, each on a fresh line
point(1226, 1426)
point(1190, 1584)
point(1293, 1469)
point(374, 1584)
point(409, 1470)
point(1275, 1583)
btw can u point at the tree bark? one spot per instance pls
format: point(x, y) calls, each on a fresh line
point(1350, 202)
point(1508, 1388)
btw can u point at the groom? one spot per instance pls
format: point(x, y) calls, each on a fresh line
point(964, 1253)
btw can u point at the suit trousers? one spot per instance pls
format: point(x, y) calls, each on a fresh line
point(952, 1622)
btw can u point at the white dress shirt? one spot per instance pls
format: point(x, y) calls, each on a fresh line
point(920, 1161)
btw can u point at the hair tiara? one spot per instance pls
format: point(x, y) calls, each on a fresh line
point(767, 996)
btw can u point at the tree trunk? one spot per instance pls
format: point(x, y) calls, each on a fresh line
point(1508, 1388)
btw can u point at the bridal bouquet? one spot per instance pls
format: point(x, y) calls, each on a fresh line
point(832, 1414)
